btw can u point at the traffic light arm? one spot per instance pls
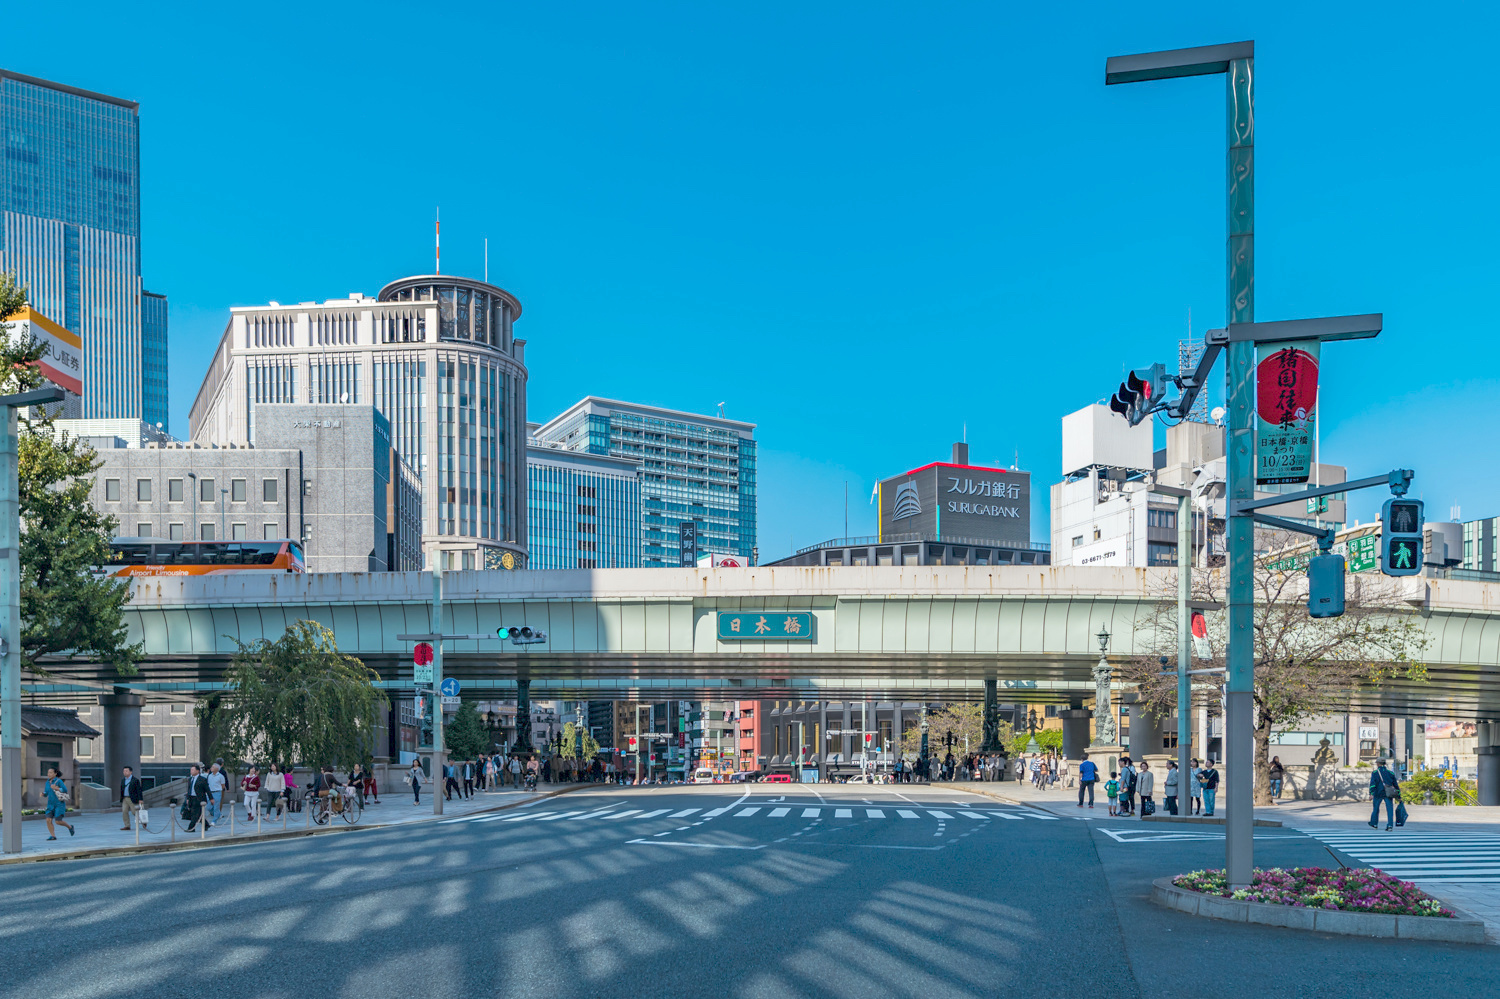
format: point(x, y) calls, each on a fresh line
point(1398, 480)
point(1323, 534)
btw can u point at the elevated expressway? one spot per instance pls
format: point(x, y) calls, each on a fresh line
point(933, 632)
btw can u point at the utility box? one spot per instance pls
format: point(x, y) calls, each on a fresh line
point(1325, 586)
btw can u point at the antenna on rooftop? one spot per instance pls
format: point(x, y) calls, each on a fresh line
point(721, 411)
point(437, 240)
point(486, 260)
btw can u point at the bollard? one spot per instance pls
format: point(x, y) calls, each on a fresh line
point(231, 820)
point(257, 816)
point(136, 815)
point(172, 817)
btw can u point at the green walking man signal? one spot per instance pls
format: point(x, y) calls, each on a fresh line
point(1401, 537)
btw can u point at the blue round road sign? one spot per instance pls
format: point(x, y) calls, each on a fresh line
point(450, 687)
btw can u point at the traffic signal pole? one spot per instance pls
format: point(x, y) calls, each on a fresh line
point(439, 752)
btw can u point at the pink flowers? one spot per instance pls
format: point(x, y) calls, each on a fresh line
point(1357, 890)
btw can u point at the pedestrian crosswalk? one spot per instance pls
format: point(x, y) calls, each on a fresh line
point(617, 814)
point(1418, 855)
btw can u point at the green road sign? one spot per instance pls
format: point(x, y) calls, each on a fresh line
point(766, 626)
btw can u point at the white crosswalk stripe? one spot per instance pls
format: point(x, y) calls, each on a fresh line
point(1436, 850)
point(1417, 855)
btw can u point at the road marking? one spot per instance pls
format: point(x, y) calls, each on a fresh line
point(523, 818)
point(621, 815)
point(592, 815)
point(743, 812)
point(717, 811)
point(560, 815)
point(843, 813)
point(875, 813)
point(906, 814)
point(700, 846)
point(811, 813)
point(973, 815)
point(939, 815)
point(1417, 855)
point(777, 813)
point(681, 814)
point(652, 815)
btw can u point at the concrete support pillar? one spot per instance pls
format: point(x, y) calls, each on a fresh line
point(1487, 784)
point(847, 740)
point(1075, 732)
point(122, 737)
point(991, 742)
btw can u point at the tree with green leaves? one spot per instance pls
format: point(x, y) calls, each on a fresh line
point(465, 736)
point(964, 719)
point(569, 749)
point(295, 700)
point(67, 609)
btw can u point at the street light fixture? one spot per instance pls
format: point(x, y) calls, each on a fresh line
point(1103, 637)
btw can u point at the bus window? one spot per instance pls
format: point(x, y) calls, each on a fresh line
point(296, 553)
point(169, 554)
point(133, 554)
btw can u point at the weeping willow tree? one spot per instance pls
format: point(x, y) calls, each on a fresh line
point(297, 699)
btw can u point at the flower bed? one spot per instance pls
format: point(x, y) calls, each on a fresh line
point(1353, 890)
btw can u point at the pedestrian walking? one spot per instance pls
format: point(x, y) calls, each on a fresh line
point(467, 770)
point(194, 802)
point(1088, 776)
point(1169, 787)
point(515, 772)
point(1208, 778)
point(1145, 786)
point(1195, 788)
point(1041, 775)
point(273, 790)
point(1385, 787)
point(414, 780)
point(1277, 773)
point(130, 796)
point(1112, 792)
point(217, 782)
point(250, 785)
point(56, 792)
point(357, 778)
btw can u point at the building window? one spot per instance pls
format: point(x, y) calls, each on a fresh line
point(179, 745)
point(268, 490)
point(307, 487)
point(143, 530)
point(237, 532)
point(1078, 541)
point(205, 490)
point(269, 531)
point(1096, 534)
point(112, 490)
point(237, 490)
point(1160, 554)
point(174, 490)
point(205, 532)
point(148, 746)
point(143, 490)
point(85, 746)
point(178, 709)
point(174, 532)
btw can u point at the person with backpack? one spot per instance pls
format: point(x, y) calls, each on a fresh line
point(1145, 786)
point(1208, 779)
point(1112, 792)
point(1277, 773)
point(1127, 786)
point(1384, 787)
point(1088, 776)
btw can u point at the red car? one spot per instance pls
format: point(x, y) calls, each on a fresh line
point(776, 779)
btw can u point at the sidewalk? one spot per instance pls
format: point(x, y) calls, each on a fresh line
point(99, 833)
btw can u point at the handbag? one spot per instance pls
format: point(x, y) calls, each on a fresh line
point(1148, 807)
point(143, 815)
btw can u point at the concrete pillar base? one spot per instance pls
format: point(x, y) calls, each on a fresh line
point(1487, 786)
point(1075, 731)
point(122, 737)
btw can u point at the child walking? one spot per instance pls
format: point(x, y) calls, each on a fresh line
point(1112, 791)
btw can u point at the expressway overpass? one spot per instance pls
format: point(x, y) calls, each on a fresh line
point(887, 632)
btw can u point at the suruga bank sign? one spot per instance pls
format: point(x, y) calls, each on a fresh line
point(969, 502)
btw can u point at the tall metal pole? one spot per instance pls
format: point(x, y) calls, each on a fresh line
point(10, 680)
point(1239, 820)
point(439, 757)
point(1184, 645)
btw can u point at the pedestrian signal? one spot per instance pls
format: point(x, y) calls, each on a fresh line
point(1401, 537)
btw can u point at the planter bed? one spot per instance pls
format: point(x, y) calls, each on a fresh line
point(1356, 902)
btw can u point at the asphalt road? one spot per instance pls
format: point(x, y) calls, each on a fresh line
point(775, 891)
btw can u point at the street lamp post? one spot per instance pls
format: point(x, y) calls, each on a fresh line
point(10, 591)
point(1104, 715)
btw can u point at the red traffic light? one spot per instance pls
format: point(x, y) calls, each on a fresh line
point(422, 654)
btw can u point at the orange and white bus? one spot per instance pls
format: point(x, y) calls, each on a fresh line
point(158, 557)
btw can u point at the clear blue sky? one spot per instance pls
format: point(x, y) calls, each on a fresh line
point(862, 226)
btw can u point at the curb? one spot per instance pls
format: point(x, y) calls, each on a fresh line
point(203, 844)
point(997, 797)
point(1464, 929)
point(1205, 820)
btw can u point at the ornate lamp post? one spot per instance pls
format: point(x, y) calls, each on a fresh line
point(1104, 714)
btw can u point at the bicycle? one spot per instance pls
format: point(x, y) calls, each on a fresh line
point(344, 803)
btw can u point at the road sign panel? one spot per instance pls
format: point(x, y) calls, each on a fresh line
point(766, 626)
point(421, 673)
point(450, 687)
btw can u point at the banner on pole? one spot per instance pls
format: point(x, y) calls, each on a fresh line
point(1286, 400)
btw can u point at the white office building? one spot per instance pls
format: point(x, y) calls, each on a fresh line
point(436, 356)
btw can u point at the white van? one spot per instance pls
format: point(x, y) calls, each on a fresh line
point(703, 775)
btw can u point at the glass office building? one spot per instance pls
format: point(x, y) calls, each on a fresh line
point(154, 358)
point(436, 357)
point(583, 510)
point(70, 227)
point(693, 468)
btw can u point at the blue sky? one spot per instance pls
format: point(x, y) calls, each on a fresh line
point(862, 226)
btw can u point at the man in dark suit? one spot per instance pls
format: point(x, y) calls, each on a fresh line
point(197, 797)
point(130, 797)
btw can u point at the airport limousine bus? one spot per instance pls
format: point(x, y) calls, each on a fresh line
point(159, 557)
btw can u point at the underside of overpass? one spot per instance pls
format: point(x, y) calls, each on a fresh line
point(915, 633)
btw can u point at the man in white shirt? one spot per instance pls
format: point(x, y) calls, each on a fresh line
point(216, 784)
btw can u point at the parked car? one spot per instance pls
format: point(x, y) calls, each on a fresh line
point(703, 775)
point(745, 777)
point(776, 779)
